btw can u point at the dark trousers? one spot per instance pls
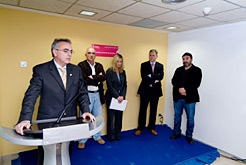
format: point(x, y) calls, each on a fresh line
point(114, 123)
point(144, 101)
point(41, 153)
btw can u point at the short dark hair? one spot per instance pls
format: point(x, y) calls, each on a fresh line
point(154, 50)
point(187, 54)
point(57, 41)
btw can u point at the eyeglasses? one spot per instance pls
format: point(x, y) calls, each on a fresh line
point(91, 53)
point(66, 51)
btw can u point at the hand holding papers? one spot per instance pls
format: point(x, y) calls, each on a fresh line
point(118, 106)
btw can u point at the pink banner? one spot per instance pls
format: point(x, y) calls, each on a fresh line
point(105, 50)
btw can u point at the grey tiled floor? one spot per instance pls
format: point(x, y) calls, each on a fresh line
point(224, 160)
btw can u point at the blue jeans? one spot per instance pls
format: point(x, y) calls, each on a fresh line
point(96, 109)
point(190, 113)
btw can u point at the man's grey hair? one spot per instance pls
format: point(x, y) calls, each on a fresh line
point(154, 50)
point(56, 42)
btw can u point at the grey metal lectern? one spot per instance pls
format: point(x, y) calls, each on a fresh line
point(55, 140)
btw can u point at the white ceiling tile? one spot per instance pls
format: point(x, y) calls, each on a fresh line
point(9, 2)
point(216, 5)
point(46, 5)
point(230, 15)
point(173, 17)
point(171, 6)
point(197, 22)
point(121, 18)
point(76, 9)
point(237, 20)
point(182, 30)
point(210, 25)
point(110, 5)
point(187, 14)
point(238, 2)
point(143, 10)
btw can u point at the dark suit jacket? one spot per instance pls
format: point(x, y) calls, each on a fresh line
point(144, 89)
point(114, 86)
point(47, 83)
point(97, 79)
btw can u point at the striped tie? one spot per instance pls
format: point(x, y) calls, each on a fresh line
point(64, 77)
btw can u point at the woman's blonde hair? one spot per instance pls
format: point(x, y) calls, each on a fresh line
point(116, 57)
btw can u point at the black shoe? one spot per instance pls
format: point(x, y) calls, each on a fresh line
point(175, 136)
point(118, 139)
point(110, 139)
point(190, 140)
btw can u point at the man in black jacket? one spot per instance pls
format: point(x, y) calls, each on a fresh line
point(186, 80)
point(94, 75)
point(150, 90)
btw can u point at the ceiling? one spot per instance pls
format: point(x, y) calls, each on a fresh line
point(150, 14)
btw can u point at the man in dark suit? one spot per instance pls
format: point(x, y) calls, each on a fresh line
point(94, 75)
point(57, 82)
point(150, 91)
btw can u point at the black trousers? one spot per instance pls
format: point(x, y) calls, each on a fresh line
point(41, 153)
point(144, 101)
point(114, 123)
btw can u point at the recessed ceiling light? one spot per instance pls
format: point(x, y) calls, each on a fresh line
point(87, 13)
point(173, 1)
point(171, 28)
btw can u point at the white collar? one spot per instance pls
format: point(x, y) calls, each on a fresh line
point(59, 66)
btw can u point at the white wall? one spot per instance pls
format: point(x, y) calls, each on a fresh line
point(220, 52)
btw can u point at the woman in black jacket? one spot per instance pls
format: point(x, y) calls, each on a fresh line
point(116, 83)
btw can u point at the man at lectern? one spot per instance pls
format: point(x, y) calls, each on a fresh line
point(57, 82)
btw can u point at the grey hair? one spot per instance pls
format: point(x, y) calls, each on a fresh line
point(56, 42)
point(154, 50)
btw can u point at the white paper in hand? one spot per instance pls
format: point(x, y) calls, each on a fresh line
point(115, 105)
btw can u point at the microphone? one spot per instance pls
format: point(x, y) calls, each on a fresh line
point(64, 110)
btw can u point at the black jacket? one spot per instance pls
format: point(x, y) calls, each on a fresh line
point(97, 79)
point(193, 81)
point(144, 89)
point(47, 83)
point(115, 88)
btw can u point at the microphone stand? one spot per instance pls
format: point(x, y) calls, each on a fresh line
point(60, 117)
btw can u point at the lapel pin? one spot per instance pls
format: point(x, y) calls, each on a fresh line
point(71, 75)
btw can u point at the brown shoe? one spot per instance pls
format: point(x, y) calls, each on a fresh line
point(81, 146)
point(138, 132)
point(153, 132)
point(101, 141)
